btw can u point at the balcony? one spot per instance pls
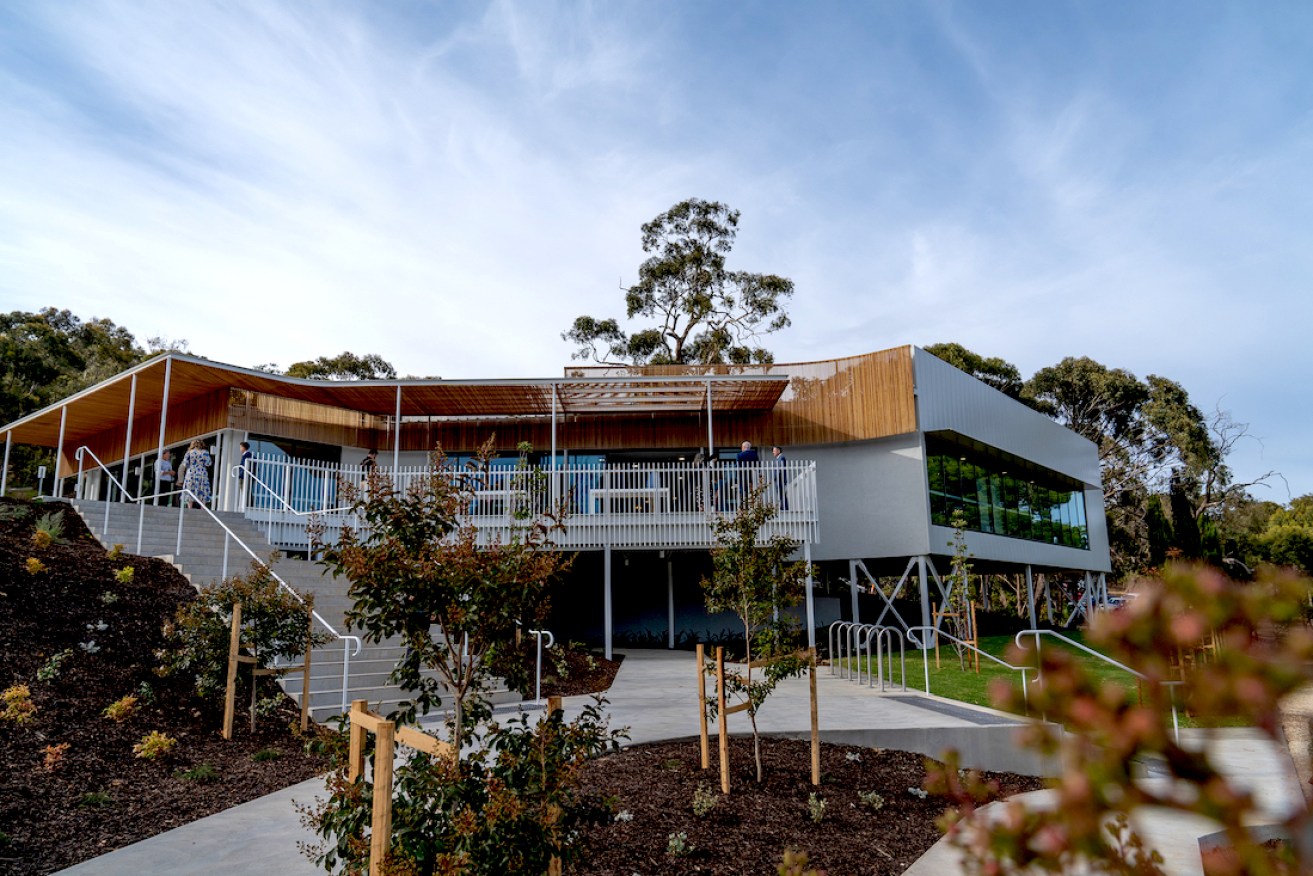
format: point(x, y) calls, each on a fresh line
point(652, 505)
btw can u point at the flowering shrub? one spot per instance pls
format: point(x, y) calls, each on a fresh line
point(19, 707)
point(273, 625)
point(54, 756)
point(815, 808)
point(704, 800)
point(678, 846)
point(50, 670)
point(1264, 652)
point(153, 745)
point(120, 710)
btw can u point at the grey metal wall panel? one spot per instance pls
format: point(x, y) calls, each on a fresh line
point(949, 399)
point(873, 498)
point(874, 503)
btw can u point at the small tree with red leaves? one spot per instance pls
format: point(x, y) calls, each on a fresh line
point(1263, 652)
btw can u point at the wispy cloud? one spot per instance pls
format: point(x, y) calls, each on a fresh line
point(450, 184)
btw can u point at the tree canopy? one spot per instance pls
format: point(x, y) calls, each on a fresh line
point(996, 372)
point(344, 366)
point(52, 354)
point(1158, 453)
point(704, 313)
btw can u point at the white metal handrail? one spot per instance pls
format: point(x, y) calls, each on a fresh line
point(931, 633)
point(644, 504)
point(1039, 677)
point(346, 639)
point(551, 642)
point(240, 473)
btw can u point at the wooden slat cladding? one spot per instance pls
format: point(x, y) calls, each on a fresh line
point(266, 414)
point(852, 399)
point(197, 416)
point(826, 402)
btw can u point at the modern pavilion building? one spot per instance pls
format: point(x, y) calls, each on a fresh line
point(880, 451)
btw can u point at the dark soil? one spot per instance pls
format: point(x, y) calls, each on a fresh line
point(568, 670)
point(99, 796)
point(749, 831)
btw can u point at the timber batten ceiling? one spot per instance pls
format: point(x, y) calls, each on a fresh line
point(105, 406)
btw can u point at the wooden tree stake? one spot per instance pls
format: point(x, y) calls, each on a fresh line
point(356, 755)
point(305, 664)
point(380, 839)
point(723, 725)
point(230, 691)
point(702, 705)
point(816, 725)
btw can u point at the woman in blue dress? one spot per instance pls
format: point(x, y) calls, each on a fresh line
point(195, 470)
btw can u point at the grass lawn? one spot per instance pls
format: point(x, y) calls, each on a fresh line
point(949, 680)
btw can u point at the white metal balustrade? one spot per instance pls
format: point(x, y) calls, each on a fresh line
point(656, 505)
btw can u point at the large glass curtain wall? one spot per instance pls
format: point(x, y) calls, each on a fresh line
point(1002, 499)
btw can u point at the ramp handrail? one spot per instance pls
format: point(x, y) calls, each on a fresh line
point(925, 644)
point(551, 643)
point(346, 639)
point(1039, 677)
point(239, 472)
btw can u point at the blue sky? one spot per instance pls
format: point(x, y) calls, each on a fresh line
point(448, 185)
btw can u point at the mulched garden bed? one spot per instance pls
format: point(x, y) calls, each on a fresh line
point(97, 795)
point(749, 831)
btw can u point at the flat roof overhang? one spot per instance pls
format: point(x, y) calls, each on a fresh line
point(105, 405)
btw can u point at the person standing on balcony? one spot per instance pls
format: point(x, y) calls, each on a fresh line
point(368, 466)
point(696, 478)
point(164, 475)
point(195, 473)
point(781, 476)
point(243, 466)
point(747, 456)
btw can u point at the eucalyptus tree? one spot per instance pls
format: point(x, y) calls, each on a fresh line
point(700, 311)
point(754, 577)
point(344, 366)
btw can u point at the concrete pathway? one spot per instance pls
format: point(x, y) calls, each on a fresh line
point(655, 695)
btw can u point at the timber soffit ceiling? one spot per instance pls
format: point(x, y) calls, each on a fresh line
point(106, 404)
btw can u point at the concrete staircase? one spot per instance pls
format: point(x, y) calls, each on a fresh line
point(201, 558)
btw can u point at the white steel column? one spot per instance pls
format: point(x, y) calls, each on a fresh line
point(606, 601)
point(555, 486)
point(58, 491)
point(396, 437)
point(4, 470)
point(670, 602)
point(852, 588)
point(127, 442)
point(230, 440)
point(164, 419)
point(925, 593)
point(811, 604)
point(219, 460)
point(1030, 597)
point(711, 440)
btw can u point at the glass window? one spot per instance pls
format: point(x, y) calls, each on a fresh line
point(1041, 506)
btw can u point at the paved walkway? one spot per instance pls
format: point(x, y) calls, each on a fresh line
point(655, 695)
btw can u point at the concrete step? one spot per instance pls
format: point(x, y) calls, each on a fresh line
point(201, 559)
